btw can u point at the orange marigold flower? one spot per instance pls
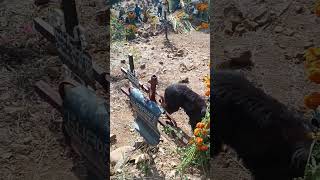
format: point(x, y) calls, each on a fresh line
point(200, 125)
point(204, 132)
point(207, 93)
point(312, 101)
point(314, 75)
point(199, 141)
point(196, 131)
point(203, 148)
point(204, 25)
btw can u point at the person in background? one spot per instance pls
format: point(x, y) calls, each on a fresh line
point(121, 13)
point(160, 10)
point(137, 11)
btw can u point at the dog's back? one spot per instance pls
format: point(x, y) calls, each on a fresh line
point(264, 133)
point(179, 95)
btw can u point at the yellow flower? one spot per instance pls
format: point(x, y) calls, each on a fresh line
point(196, 131)
point(312, 54)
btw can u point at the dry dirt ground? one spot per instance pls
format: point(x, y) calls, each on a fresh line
point(277, 33)
point(31, 143)
point(187, 59)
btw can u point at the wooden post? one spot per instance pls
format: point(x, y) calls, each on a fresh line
point(70, 17)
point(131, 63)
point(152, 92)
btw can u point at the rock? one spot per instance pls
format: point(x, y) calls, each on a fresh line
point(27, 140)
point(184, 80)
point(236, 19)
point(179, 53)
point(308, 44)
point(113, 138)
point(183, 68)
point(264, 20)
point(143, 66)
point(172, 174)
point(123, 61)
point(140, 158)
point(299, 9)
point(239, 56)
point(173, 164)
point(145, 35)
point(6, 155)
point(161, 150)
point(120, 154)
point(278, 29)
point(152, 48)
point(289, 32)
point(161, 63)
point(119, 171)
point(250, 24)
point(240, 28)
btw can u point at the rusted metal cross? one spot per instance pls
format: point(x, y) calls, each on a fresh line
point(68, 36)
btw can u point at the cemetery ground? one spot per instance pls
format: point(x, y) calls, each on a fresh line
point(32, 145)
point(185, 60)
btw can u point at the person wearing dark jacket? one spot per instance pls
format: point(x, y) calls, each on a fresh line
point(160, 10)
point(137, 10)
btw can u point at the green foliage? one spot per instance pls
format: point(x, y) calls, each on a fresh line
point(313, 167)
point(118, 31)
point(191, 156)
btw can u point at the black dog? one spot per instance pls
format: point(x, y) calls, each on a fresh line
point(179, 95)
point(272, 141)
